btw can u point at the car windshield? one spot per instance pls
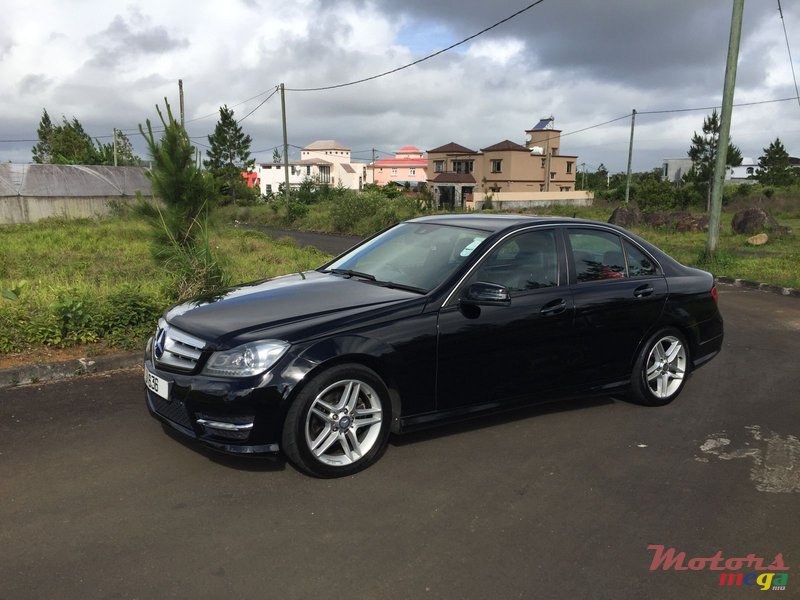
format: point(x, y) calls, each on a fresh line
point(415, 256)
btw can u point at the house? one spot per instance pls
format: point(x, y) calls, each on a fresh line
point(512, 175)
point(674, 169)
point(324, 161)
point(409, 165)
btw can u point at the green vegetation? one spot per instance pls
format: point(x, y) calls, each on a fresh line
point(96, 281)
point(66, 283)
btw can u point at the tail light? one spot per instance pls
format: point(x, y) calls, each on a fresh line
point(714, 293)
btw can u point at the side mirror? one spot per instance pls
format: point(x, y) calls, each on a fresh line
point(482, 293)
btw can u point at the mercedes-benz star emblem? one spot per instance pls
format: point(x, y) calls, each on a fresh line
point(158, 347)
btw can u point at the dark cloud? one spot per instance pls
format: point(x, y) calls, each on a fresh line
point(121, 41)
point(33, 84)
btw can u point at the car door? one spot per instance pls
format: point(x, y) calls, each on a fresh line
point(619, 293)
point(491, 354)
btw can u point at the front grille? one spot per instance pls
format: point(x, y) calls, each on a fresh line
point(176, 349)
point(174, 410)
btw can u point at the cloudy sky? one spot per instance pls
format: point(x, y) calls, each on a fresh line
point(583, 61)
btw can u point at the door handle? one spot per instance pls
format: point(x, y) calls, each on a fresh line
point(642, 291)
point(553, 308)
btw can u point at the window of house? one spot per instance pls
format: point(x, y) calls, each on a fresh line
point(308, 170)
point(412, 172)
point(570, 164)
point(596, 255)
point(552, 175)
point(554, 152)
point(462, 166)
point(497, 165)
point(394, 172)
point(495, 189)
point(324, 174)
point(438, 166)
point(541, 187)
point(750, 170)
point(564, 188)
point(544, 163)
point(268, 188)
point(665, 172)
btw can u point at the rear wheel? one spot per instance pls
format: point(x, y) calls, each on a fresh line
point(661, 369)
point(339, 423)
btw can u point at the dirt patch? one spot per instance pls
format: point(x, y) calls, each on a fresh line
point(48, 355)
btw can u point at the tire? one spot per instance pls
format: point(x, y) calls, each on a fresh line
point(661, 369)
point(339, 423)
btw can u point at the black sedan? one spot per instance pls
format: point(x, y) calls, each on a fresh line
point(435, 319)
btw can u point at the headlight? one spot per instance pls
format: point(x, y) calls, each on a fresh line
point(247, 360)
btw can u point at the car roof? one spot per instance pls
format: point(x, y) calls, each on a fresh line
point(497, 222)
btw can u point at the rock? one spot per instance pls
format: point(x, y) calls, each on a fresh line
point(684, 222)
point(754, 220)
point(656, 219)
point(625, 217)
point(758, 240)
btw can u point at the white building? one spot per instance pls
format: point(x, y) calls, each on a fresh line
point(324, 161)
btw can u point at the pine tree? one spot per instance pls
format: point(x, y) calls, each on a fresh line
point(42, 151)
point(229, 155)
point(703, 153)
point(774, 167)
point(66, 144)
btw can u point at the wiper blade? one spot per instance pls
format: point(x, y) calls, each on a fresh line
point(351, 273)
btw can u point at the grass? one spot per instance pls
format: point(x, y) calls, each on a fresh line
point(94, 282)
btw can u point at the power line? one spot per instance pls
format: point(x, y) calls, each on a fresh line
point(789, 50)
point(421, 60)
point(275, 91)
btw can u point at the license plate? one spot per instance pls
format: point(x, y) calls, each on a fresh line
point(156, 384)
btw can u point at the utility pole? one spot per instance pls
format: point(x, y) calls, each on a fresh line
point(724, 129)
point(285, 147)
point(373, 165)
point(180, 94)
point(114, 138)
point(630, 158)
point(583, 185)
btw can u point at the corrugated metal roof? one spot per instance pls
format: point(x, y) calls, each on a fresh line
point(72, 180)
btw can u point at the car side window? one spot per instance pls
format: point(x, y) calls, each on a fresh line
point(639, 264)
point(596, 255)
point(527, 261)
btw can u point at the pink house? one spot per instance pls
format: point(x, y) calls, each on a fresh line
point(408, 165)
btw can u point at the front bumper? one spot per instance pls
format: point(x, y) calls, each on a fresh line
point(234, 416)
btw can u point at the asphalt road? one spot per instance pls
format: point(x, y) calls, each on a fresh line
point(97, 501)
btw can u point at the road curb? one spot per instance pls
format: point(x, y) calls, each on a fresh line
point(35, 373)
point(756, 285)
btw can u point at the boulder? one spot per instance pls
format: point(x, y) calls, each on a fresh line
point(756, 220)
point(626, 216)
point(685, 223)
point(758, 240)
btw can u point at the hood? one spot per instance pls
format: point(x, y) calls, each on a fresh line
point(278, 302)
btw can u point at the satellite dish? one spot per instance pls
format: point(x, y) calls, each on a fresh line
point(537, 150)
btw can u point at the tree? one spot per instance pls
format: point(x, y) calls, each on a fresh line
point(703, 153)
point(276, 157)
point(66, 144)
point(229, 155)
point(774, 167)
point(180, 228)
point(69, 144)
point(42, 151)
point(125, 155)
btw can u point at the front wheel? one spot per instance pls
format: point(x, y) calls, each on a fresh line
point(661, 369)
point(339, 422)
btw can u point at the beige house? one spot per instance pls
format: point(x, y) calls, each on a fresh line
point(508, 172)
point(341, 171)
